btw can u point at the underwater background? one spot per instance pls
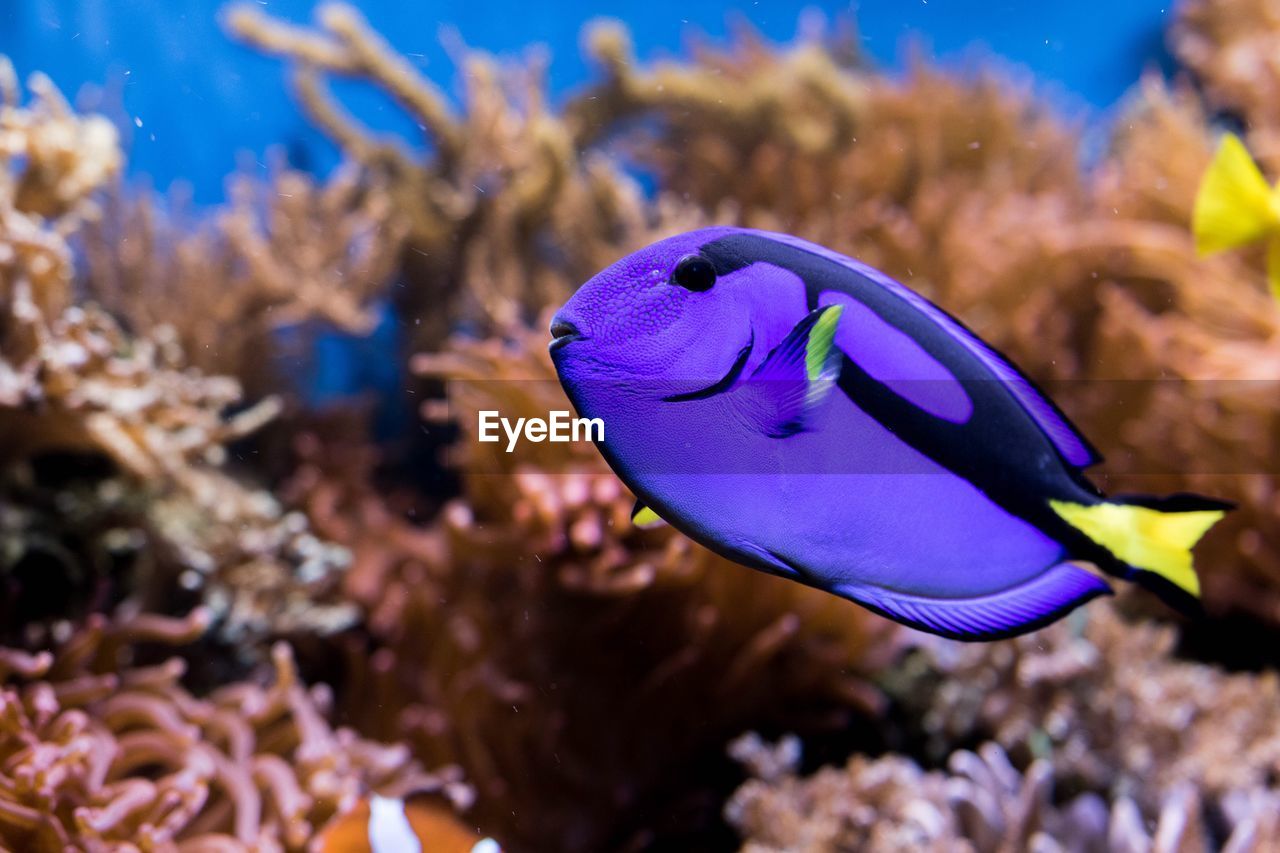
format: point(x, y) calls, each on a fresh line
point(262, 264)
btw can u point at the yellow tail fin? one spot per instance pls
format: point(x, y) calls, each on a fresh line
point(1152, 540)
point(1234, 205)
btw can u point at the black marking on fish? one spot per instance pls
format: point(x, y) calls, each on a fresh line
point(722, 384)
point(1000, 449)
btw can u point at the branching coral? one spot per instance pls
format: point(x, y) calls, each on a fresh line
point(505, 213)
point(1109, 707)
point(64, 157)
point(980, 803)
point(89, 388)
point(285, 252)
point(51, 161)
point(98, 752)
point(807, 102)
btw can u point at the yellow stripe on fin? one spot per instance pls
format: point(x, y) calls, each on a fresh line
point(1234, 205)
point(1145, 538)
point(821, 338)
point(645, 518)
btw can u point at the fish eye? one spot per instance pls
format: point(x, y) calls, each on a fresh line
point(694, 272)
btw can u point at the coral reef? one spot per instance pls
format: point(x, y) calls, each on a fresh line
point(51, 160)
point(981, 802)
point(1078, 696)
point(73, 381)
point(285, 252)
point(586, 676)
point(100, 752)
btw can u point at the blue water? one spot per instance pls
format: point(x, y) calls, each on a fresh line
point(194, 104)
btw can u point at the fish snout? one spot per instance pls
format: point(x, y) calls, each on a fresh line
point(563, 332)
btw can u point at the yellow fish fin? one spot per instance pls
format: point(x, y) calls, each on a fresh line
point(1234, 205)
point(645, 518)
point(1148, 539)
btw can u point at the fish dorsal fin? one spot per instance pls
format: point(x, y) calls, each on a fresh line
point(1234, 205)
point(796, 375)
point(645, 518)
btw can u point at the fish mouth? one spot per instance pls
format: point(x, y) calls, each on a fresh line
point(564, 333)
point(724, 383)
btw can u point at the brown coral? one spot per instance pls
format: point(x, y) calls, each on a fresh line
point(89, 388)
point(100, 753)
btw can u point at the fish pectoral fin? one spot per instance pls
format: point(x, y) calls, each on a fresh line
point(795, 377)
point(1234, 205)
point(1007, 613)
point(645, 518)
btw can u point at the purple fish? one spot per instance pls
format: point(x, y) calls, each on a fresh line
point(803, 414)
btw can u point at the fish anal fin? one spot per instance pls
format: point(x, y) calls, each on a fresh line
point(644, 517)
point(1018, 610)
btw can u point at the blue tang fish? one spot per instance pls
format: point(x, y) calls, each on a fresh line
point(803, 414)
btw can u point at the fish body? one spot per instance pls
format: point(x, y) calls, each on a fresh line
point(808, 416)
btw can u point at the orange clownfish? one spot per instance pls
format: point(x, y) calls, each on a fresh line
point(392, 825)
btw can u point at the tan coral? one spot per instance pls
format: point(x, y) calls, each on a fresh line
point(506, 212)
point(981, 802)
point(285, 252)
point(51, 161)
point(1110, 706)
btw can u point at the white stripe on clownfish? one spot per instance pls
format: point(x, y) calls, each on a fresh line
point(389, 829)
